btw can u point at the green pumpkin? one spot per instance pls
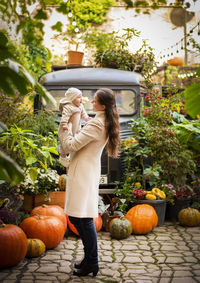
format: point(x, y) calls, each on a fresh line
point(120, 228)
point(189, 217)
point(36, 248)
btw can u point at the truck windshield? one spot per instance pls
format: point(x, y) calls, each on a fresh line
point(126, 100)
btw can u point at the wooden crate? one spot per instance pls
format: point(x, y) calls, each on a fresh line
point(31, 201)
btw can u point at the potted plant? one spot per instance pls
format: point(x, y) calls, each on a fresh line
point(111, 50)
point(40, 189)
point(108, 211)
point(178, 199)
point(73, 40)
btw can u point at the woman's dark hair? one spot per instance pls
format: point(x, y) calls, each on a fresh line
point(105, 96)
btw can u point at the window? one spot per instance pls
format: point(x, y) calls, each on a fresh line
point(125, 99)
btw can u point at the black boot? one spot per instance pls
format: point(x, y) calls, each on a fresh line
point(79, 264)
point(87, 269)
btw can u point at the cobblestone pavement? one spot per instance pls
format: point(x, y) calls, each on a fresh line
point(170, 253)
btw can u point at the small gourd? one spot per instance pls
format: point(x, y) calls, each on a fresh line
point(150, 196)
point(36, 248)
point(158, 193)
point(62, 182)
point(120, 228)
point(189, 217)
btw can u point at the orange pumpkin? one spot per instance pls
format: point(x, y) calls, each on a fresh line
point(176, 61)
point(143, 218)
point(13, 245)
point(98, 222)
point(48, 229)
point(51, 210)
point(62, 182)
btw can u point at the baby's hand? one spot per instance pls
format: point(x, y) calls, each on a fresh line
point(88, 119)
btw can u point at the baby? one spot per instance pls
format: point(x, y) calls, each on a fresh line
point(70, 105)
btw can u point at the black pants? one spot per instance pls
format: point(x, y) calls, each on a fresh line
point(88, 234)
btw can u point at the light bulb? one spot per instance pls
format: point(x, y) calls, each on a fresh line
point(70, 14)
point(76, 29)
point(74, 23)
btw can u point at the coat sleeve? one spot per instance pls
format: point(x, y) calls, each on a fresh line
point(84, 114)
point(90, 132)
point(66, 114)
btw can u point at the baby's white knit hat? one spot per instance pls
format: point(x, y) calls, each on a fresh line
point(72, 93)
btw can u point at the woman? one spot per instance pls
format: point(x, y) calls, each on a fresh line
point(81, 204)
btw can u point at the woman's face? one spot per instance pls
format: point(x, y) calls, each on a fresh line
point(96, 105)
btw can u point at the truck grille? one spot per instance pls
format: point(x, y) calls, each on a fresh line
point(114, 168)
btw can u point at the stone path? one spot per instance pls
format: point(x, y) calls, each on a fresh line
point(170, 253)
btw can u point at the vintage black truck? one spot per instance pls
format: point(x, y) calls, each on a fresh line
point(127, 88)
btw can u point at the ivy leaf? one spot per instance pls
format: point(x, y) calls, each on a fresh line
point(4, 53)
point(21, 25)
point(63, 8)
point(41, 15)
point(57, 26)
point(192, 97)
point(3, 39)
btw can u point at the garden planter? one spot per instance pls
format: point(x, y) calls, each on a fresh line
point(31, 201)
point(75, 58)
point(173, 210)
point(158, 205)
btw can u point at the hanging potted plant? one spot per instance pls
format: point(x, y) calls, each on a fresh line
point(74, 55)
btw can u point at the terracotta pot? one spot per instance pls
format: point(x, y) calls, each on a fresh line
point(31, 201)
point(176, 61)
point(75, 58)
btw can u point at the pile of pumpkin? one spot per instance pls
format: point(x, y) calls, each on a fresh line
point(46, 226)
point(142, 219)
point(44, 229)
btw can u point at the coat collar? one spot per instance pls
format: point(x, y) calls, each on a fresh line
point(100, 115)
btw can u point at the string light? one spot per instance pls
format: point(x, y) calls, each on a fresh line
point(76, 29)
point(70, 13)
point(181, 42)
point(74, 22)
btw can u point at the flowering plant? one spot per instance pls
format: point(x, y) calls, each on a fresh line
point(180, 192)
point(169, 191)
point(43, 183)
point(196, 188)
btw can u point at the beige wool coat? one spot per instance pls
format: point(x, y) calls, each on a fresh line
point(82, 186)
